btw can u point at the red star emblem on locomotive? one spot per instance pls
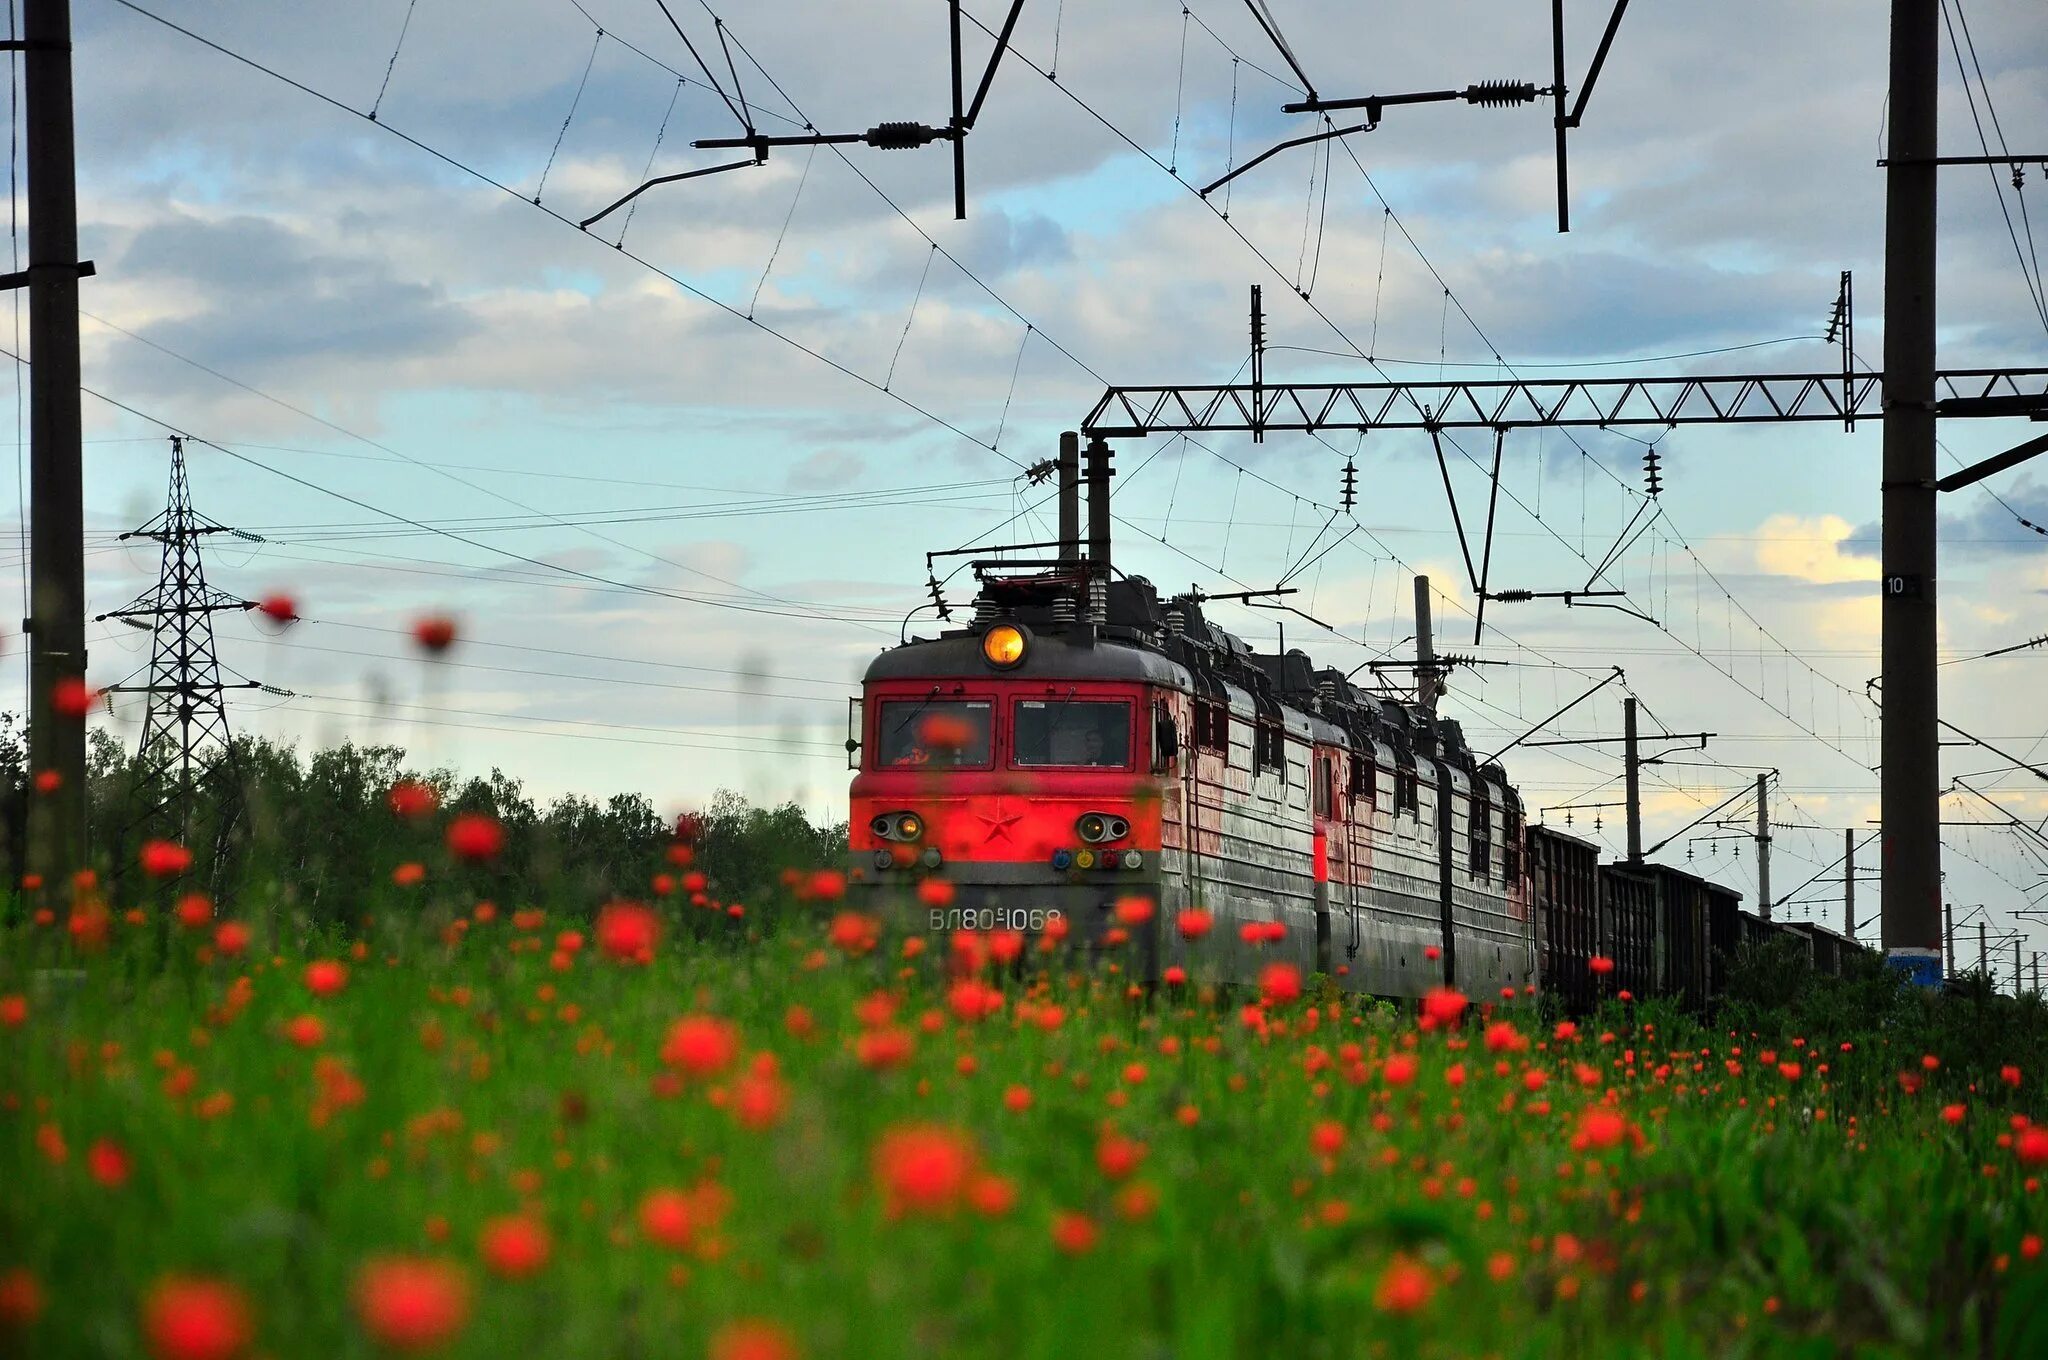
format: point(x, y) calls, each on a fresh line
point(998, 825)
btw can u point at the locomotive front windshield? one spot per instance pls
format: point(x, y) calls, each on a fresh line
point(1083, 732)
point(942, 732)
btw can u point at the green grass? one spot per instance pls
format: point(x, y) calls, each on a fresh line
point(1755, 1214)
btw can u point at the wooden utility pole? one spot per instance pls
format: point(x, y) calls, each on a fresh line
point(56, 622)
point(1910, 739)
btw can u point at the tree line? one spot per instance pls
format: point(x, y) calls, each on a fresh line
point(316, 830)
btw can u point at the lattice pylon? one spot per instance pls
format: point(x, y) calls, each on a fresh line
point(185, 733)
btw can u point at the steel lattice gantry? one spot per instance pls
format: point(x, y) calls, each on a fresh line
point(1698, 399)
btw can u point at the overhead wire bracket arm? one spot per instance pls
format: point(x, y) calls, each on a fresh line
point(1612, 676)
point(1599, 60)
point(988, 76)
point(1280, 46)
point(1977, 472)
point(1273, 151)
point(666, 179)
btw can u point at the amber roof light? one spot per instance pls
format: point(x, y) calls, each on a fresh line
point(1003, 645)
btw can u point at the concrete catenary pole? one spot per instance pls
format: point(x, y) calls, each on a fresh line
point(1631, 769)
point(1763, 846)
point(1849, 883)
point(56, 622)
point(1910, 741)
point(1425, 650)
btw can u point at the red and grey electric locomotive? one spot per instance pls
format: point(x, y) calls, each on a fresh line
point(1082, 742)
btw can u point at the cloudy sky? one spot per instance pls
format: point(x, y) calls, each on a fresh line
point(677, 474)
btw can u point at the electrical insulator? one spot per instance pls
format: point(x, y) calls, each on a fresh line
point(900, 136)
point(932, 585)
point(1596, 821)
point(1350, 484)
point(1650, 471)
point(1499, 94)
point(1567, 816)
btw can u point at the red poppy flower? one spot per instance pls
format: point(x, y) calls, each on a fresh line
point(411, 798)
point(972, 1000)
point(1599, 1129)
point(514, 1246)
point(827, 885)
point(935, 892)
point(21, 1299)
point(48, 781)
point(1443, 1006)
point(1600, 964)
point(1400, 1069)
point(1175, 976)
point(13, 1010)
point(1955, 1114)
point(672, 1218)
point(628, 931)
point(1133, 910)
point(279, 608)
point(1074, 1233)
point(435, 633)
point(1432, 953)
point(701, 1045)
point(194, 1319)
point(992, 1196)
point(2010, 1076)
point(881, 1049)
point(1117, 1156)
point(475, 836)
point(165, 859)
point(194, 911)
point(411, 1303)
point(409, 874)
point(325, 977)
point(923, 1168)
point(1327, 1137)
point(230, 938)
point(1405, 1286)
point(760, 1096)
point(853, 933)
point(1195, 922)
point(1280, 983)
point(107, 1163)
point(306, 1031)
point(2032, 1146)
point(753, 1339)
point(72, 698)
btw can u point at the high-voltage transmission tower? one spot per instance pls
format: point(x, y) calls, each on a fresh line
point(185, 735)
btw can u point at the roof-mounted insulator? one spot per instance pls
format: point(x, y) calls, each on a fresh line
point(900, 136)
point(1499, 94)
point(1511, 596)
point(931, 584)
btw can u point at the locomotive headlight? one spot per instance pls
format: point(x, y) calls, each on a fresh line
point(1003, 646)
point(1133, 860)
point(1084, 859)
point(1097, 827)
point(898, 826)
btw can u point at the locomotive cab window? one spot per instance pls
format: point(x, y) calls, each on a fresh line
point(1087, 733)
point(926, 733)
